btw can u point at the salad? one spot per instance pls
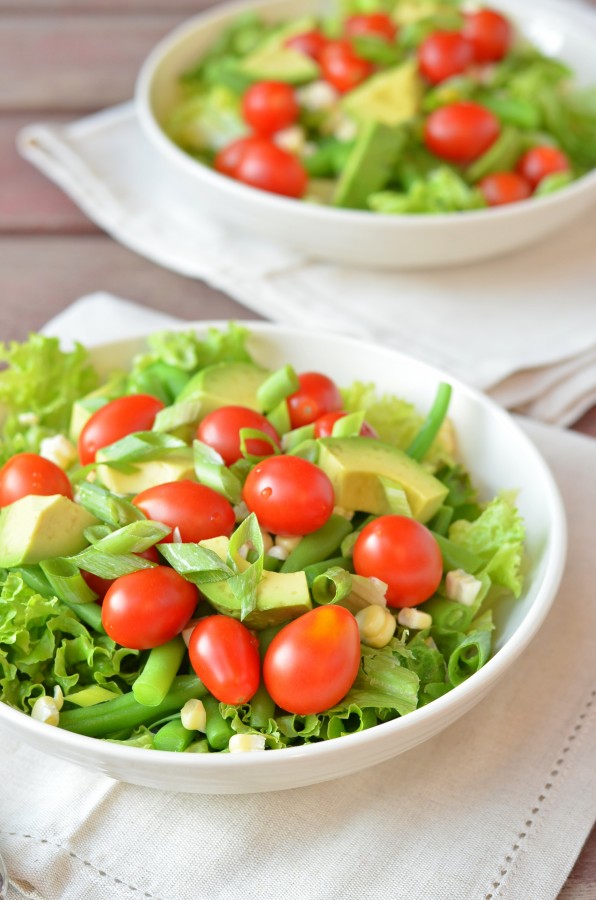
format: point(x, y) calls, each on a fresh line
point(202, 555)
point(390, 106)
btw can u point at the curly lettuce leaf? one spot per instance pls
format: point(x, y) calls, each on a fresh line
point(38, 386)
point(497, 537)
point(442, 191)
point(43, 644)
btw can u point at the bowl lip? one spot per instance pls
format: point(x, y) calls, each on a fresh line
point(61, 741)
point(275, 203)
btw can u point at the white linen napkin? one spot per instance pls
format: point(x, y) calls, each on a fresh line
point(496, 807)
point(522, 327)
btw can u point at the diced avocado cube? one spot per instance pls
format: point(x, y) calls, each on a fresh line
point(274, 61)
point(390, 97)
point(176, 466)
point(223, 384)
point(355, 466)
point(35, 528)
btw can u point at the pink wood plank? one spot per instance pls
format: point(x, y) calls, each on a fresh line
point(70, 62)
point(28, 201)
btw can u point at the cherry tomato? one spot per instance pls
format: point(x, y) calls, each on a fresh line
point(316, 396)
point(289, 495)
point(262, 164)
point(461, 132)
point(402, 553)
point(269, 106)
point(342, 67)
point(378, 25)
point(310, 43)
point(228, 158)
point(135, 412)
point(225, 656)
point(324, 426)
point(29, 473)
point(197, 511)
point(313, 662)
point(148, 608)
point(541, 161)
point(489, 34)
point(504, 187)
point(102, 585)
point(221, 430)
point(444, 54)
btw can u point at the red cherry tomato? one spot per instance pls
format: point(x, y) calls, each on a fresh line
point(313, 662)
point(221, 430)
point(461, 132)
point(378, 25)
point(225, 656)
point(489, 34)
point(289, 495)
point(324, 426)
point(342, 67)
point(262, 164)
point(402, 553)
point(29, 473)
point(148, 608)
point(541, 161)
point(228, 158)
point(310, 43)
point(504, 187)
point(316, 396)
point(197, 511)
point(135, 412)
point(269, 106)
point(444, 54)
point(102, 585)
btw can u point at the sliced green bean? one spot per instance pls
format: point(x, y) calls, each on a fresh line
point(218, 730)
point(157, 677)
point(173, 737)
point(262, 708)
point(126, 712)
point(430, 427)
point(318, 545)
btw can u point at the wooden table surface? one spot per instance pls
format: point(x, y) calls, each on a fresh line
point(60, 59)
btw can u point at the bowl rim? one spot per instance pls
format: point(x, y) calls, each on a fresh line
point(471, 690)
point(326, 214)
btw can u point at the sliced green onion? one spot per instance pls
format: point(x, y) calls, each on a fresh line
point(211, 470)
point(176, 416)
point(67, 581)
point(279, 417)
point(197, 564)
point(244, 584)
point(293, 439)
point(133, 538)
point(430, 427)
point(141, 446)
point(253, 434)
point(316, 569)
point(105, 506)
point(306, 450)
point(91, 696)
point(348, 426)
point(277, 387)
point(448, 615)
point(441, 520)
point(469, 656)
point(109, 565)
point(332, 586)
point(396, 497)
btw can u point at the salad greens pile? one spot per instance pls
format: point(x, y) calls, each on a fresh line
point(52, 640)
point(361, 137)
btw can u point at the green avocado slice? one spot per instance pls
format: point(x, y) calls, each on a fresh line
point(369, 164)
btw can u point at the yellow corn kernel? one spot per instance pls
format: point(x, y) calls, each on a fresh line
point(376, 625)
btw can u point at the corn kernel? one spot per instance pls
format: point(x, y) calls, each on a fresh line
point(193, 715)
point(376, 625)
point(246, 743)
point(287, 542)
point(46, 710)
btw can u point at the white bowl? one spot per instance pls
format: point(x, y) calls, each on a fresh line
point(351, 236)
point(499, 456)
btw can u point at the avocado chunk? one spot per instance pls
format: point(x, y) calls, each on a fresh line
point(390, 97)
point(175, 466)
point(274, 61)
point(36, 528)
point(355, 466)
point(500, 156)
point(280, 596)
point(223, 384)
point(369, 164)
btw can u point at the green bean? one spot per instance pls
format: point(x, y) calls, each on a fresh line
point(262, 708)
point(217, 730)
point(126, 712)
point(161, 668)
point(174, 737)
point(430, 427)
point(441, 520)
point(318, 545)
point(201, 746)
